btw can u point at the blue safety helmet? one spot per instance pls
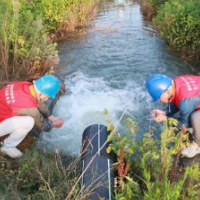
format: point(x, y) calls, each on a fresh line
point(157, 84)
point(48, 84)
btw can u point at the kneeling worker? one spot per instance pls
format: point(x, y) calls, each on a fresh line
point(183, 94)
point(19, 111)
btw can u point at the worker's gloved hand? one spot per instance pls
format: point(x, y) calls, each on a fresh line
point(156, 112)
point(51, 118)
point(158, 115)
point(58, 122)
point(160, 118)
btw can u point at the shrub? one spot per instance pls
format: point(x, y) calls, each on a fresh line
point(158, 3)
point(63, 15)
point(179, 23)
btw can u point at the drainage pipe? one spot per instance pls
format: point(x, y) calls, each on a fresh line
point(97, 180)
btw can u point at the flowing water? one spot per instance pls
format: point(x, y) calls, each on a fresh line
point(107, 68)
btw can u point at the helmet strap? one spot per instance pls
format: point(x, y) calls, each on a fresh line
point(37, 92)
point(39, 97)
point(42, 99)
point(169, 102)
point(169, 107)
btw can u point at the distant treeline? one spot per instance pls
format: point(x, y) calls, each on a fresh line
point(178, 21)
point(29, 28)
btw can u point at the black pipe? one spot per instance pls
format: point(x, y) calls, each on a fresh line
point(97, 180)
point(93, 139)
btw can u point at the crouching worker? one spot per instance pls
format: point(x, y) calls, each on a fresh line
point(182, 94)
point(19, 111)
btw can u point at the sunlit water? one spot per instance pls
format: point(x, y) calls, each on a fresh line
point(107, 69)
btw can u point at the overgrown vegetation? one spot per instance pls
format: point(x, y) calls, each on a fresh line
point(149, 169)
point(28, 30)
point(178, 22)
point(63, 16)
point(39, 176)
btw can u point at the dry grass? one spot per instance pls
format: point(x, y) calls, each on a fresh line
point(148, 10)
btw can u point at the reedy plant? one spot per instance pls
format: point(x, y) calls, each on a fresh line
point(157, 163)
point(124, 145)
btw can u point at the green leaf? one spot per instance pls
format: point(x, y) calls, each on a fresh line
point(129, 179)
point(105, 112)
point(123, 198)
point(129, 150)
point(110, 128)
point(109, 149)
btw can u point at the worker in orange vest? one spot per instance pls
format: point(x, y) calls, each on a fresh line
point(19, 111)
point(183, 95)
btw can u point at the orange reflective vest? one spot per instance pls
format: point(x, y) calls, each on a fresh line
point(15, 96)
point(187, 86)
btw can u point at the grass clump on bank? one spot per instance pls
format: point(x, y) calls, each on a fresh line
point(178, 22)
point(29, 29)
point(39, 176)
